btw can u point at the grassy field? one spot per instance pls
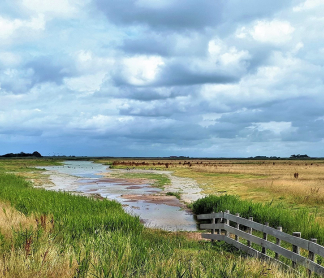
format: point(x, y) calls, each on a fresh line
point(260, 181)
point(55, 234)
point(157, 180)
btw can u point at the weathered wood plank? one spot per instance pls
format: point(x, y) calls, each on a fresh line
point(278, 242)
point(295, 248)
point(265, 237)
point(303, 243)
point(316, 248)
point(237, 226)
point(210, 215)
point(267, 244)
point(212, 226)
point(253, 252)
point(243, 247)
point(214, 236)
point(311, 256)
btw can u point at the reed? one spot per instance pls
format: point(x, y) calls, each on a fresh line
point(301, 220)
point(76, 236)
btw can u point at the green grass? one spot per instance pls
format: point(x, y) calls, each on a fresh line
point(107, 242)
point(237, 176)
point(297, 220)
point(104, 240)
point(74, 215)
point(26, 164)
point(160, 180)
point(176, 194)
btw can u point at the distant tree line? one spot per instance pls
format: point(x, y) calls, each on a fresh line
point(22, 154)
point(299, 156)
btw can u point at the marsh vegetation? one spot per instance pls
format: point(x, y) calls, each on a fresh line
point(56, 234)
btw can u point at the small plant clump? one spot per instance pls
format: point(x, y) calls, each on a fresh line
point(176, 194)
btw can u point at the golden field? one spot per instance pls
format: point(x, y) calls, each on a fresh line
point(257, 180)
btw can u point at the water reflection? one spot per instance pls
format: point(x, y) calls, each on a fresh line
point(136, 197)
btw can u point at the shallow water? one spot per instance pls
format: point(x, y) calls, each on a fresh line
point(85, 169)
point(91, 181)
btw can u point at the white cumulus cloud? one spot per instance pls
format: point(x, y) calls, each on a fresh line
point(274, 31)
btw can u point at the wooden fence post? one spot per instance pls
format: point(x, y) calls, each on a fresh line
point(278, 242)
point(247, 234)
point(311, 256)
point(227, 223)
point(219, 220)
point(213, 229)
point(265, 237)
point(237, 227)
point(296, 248)
point(249, 230)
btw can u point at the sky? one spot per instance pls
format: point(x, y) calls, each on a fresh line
point(208, 78)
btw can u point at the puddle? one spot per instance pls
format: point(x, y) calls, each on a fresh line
point(137, 198)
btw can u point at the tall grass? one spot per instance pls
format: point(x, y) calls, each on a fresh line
point(78, 236)
point(75, 215)
point(300, 220)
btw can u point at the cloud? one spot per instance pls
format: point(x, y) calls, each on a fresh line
point(140, 70)
point(274, 32)
point(163, 14)
point(9, 28)
point(308, 5)
point(139, 77)
point(63, 8)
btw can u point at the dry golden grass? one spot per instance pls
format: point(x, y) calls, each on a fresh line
point(50, 261)
point(47, 261)
point(12, 219)
point(263, 181)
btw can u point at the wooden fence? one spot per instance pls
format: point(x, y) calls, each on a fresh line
point(221, 222)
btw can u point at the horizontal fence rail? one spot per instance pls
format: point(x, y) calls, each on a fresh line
point(220, 221)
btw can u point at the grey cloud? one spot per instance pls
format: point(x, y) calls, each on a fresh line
point(192, 14)
point(164, 109)
point(251, 9)
point(150, 45)
point(226, 129)
point(148, 94)
point(50, 69)
point(18, 82)
point(273, 83)
point(181, 75)
point(177, 15)
point(178, 74)
point(307, 131)
point(146, 131)
point(38, 70)
point(167, 43)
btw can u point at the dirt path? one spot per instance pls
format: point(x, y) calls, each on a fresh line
point(188, 188)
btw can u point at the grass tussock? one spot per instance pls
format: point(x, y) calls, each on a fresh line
point(157, 180)
point(48, 261)
point(11, 219)
point(176, 194)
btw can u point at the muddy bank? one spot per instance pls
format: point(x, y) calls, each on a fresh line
point(138, 196)
point(155, 199)
point(188, 188)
